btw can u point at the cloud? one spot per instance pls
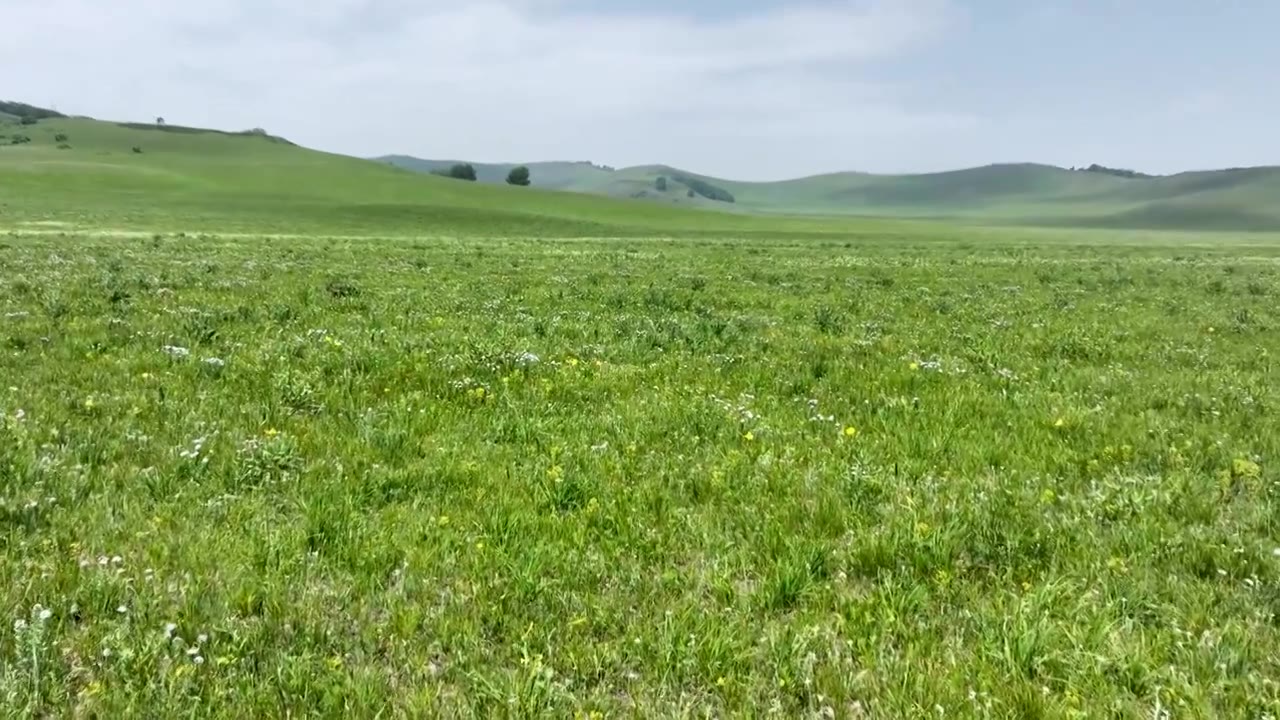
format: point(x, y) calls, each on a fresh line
point(777, 91)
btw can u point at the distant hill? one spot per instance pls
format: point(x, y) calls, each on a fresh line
point(1237, 199)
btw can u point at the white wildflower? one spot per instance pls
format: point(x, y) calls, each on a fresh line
point(202, 638)
point(169, 629)
point(527, 359)
point(45, 614)
point(176, 351)
point(199, 660)
point(122, 609)
point(19, 625)
point(215, 362)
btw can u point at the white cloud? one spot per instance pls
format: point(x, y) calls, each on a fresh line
point(771, 93)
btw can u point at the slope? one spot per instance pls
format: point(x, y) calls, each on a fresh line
point(78, 173)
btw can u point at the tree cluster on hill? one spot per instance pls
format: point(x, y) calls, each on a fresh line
point(705, 189)
point(461, 171)
point(28, 114)
point(1118, 172)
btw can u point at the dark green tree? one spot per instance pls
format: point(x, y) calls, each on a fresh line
point(519, 176)
point(463, 171)
point(660, 184)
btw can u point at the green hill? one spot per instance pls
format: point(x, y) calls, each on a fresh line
point(1237, 199)
point(77, 173)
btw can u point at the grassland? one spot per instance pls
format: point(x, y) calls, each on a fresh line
point(1019, 194)
point(289, 434)
point(539, 478)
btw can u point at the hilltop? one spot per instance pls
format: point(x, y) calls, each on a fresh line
point(77, 173)
point(1233, 199)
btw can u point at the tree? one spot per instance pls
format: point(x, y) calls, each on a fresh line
point(463, 171)
point(660, 184)
point(160, 121)
point(518, 176)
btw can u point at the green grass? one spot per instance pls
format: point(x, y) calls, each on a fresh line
point(284, 433)
point(1240, 200)
point(948, 475)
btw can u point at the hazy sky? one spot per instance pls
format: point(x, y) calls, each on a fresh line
point(750, 89)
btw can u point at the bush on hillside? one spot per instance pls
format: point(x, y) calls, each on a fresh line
point(27, 120)
point(19, 140)
point(137, 150)
point(61, 138)
point(519, 176)
point(660, 184)
point(463, 171)
point(1117, 172)
point(706, 189)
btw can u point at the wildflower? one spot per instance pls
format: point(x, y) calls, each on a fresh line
point(1245, 468)
point(202, 638)
point(573, 362)
point(749, 437)
point(169, 629)
point(215, 363)
point(1276, 552)
point(442, 521)
point(915, 366)
point(19, 625)
point(199, 659)
point(176, 352)
point(850, 431)
point(721, 681)
point(88, 404)
point(45, 614)
point(122, 609)
point(1060, 423)
point(271, 432)
point(527, 359)
point(555, 473)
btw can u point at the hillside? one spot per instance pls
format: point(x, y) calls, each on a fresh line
point(1237, 199)
point(77, 173)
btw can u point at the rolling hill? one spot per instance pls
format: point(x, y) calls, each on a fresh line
point(1245, 199)
point(77, 174)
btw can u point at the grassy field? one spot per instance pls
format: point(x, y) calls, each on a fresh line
point(938, 476)
point(1022, 194)
point(288, 434)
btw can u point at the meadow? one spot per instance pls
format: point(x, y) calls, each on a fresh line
point(937, 473)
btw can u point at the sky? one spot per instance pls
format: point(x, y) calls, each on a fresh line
point(744, 89)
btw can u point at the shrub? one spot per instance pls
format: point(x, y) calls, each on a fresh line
point(61, 138)
point(463, 171)
point(137, 150)
point(519, 176)
point(660, 184)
